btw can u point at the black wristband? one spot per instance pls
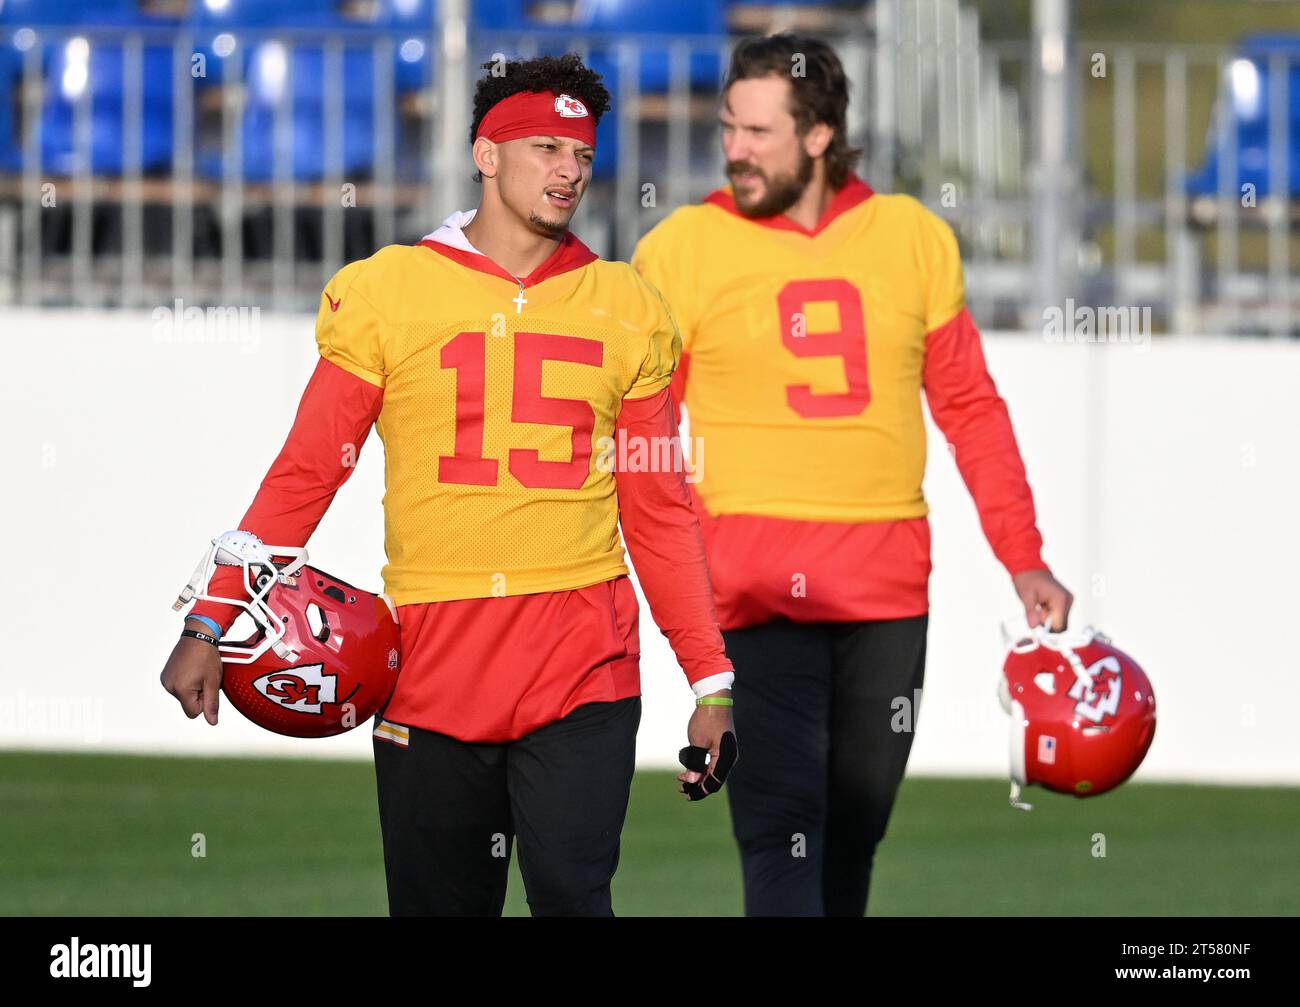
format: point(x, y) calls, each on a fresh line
point(195, 634)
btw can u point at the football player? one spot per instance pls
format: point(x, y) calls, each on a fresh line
point(814, 313)
point(495, 358)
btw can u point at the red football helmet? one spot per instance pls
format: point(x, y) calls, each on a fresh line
point(1082, 713)
point(323, 656)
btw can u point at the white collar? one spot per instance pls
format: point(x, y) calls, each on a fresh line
point(452, 231)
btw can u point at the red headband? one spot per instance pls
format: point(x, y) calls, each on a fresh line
point(538, 113)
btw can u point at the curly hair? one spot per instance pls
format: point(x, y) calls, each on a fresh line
point(819, 94)
point(562, 74)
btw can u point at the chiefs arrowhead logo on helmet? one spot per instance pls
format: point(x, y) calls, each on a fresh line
point(323, 656)
point(304, 689)
point(1083, 713)
point(1098, 693)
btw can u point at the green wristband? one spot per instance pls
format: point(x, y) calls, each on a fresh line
point(714, 701)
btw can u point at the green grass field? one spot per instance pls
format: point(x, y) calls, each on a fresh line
point(111, 835)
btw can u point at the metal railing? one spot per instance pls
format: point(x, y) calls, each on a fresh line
point(943, 114)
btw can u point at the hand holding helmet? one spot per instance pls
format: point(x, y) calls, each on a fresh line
point(193, 675)
point(1082, 713)
point(322, 657)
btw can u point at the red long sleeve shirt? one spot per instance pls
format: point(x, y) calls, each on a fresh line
point(495, 669)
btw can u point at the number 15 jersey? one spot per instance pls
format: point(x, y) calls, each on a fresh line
point(492, 409)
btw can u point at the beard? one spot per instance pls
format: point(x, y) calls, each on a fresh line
point(780, 192)
point(546, 228)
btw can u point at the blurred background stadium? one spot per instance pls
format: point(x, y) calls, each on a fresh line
point(179, 178)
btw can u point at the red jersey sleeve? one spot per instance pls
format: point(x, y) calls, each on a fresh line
point(334, 418)
point(973, 417)
point(663, 538)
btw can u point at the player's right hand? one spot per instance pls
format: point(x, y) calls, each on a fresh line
point(711, 751)
point(193, 675)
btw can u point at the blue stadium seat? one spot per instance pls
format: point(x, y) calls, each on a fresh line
point(505, 15)
point(413, 13)
point(272, 68)
point(646, 23)
point(263, 60)
point(605, 164)
point(505, 26)
point(74, 64)
point(410, 22)
point(11, 69)
point(1248, 89)
point(89, 13)
point(404, 21)
point(254, 14)
point(702, 24)
point(77, 64)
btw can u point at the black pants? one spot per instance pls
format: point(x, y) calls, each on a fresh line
point(450, 811)
point(817, 707)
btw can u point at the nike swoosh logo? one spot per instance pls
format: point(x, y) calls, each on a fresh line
point(334, 305)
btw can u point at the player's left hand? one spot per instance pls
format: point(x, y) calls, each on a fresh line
point(1046, 600)
point(712, 737)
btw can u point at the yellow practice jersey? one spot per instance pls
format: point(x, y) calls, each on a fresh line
point(806, 350)
point(495, 401)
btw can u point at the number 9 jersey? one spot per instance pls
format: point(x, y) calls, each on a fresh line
point(807, 352)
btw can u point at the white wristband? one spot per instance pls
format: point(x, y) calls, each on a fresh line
point(712, 684)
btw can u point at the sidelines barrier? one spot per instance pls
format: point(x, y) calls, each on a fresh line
point(1165, 475)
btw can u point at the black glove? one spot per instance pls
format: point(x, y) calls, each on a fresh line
point(695, 759)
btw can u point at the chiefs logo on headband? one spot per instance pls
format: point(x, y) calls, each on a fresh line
point(570, 108)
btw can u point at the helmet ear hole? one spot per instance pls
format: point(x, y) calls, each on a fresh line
point(316, 620)
point(1046, 682)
